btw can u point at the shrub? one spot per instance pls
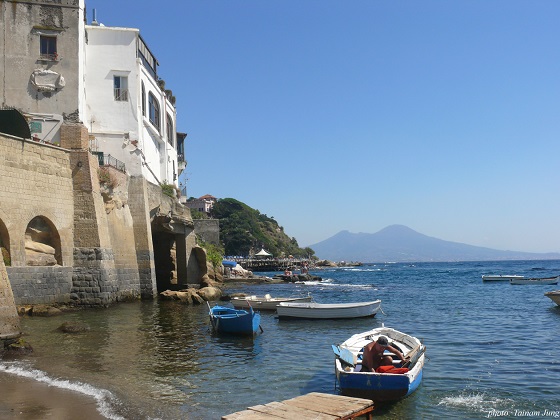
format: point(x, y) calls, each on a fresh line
point(168, 189)
point(6, 257)
point(106, 178)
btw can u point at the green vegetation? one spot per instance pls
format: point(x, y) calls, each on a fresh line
point(6, 256)
point(195, 214)
point(214, 253)
point(243, 229)
point(106, 178)
point(168, 189)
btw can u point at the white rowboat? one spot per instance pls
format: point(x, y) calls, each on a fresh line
point(265, 302)
point(373, 385)
point(314, 310)
point(500, 277)
point(547, 280)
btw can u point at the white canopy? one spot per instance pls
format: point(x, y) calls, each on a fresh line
point(262, 253)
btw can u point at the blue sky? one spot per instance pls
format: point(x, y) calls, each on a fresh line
point(354, 115)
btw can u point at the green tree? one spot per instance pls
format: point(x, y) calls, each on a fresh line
point(243, 228)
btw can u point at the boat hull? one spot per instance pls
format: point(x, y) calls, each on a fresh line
point(226, 320)
point(548, 280)
point(500, 277)
point(264, 303)
point(313, 310)
point(379, 387)
point(554, 296)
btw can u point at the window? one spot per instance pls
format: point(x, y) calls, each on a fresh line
point(48, 47)
point(143, 100)
point(169, 130)
point(121, 88)
point(153, 110)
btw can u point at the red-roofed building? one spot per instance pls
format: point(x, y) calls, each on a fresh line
point(203, 204)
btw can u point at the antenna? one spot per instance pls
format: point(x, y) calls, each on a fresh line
point(95, 22)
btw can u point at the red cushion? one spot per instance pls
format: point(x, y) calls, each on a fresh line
point(391, 369)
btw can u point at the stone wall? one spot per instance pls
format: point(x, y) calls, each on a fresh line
point(36, 181)
point(9, 320)
point(208, 230)
point(46, 285)
point(104, 238)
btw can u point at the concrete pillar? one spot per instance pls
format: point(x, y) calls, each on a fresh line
point(9, 319)
point(140, 212)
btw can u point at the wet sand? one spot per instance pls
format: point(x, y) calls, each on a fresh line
point(24, 398)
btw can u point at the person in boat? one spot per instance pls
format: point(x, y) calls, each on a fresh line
point(373, 356)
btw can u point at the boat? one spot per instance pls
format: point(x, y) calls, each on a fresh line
point(266, 302)
point(501, 277)
point(234, 321)
point(554, 296)
point(314, 310)
point(536, 280)
point(373, 385)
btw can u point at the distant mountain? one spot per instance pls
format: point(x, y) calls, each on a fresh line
point(398, 243)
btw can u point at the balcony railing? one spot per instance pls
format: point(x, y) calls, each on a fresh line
point(51, 57)
point(121, 94)
point(108, 160)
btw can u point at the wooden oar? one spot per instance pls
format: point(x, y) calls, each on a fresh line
point(344, 355)
point(414, 355)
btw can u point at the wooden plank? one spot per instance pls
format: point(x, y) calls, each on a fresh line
point(288, 412)
point(336, 405)
point(314, 405)
point(249, 415)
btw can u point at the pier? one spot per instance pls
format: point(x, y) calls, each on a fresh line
point(270, 264)
point(310, 406)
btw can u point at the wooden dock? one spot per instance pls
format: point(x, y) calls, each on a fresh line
point(315, 406)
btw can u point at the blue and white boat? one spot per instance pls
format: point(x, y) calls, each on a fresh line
point(379, 386)
point(234, 321)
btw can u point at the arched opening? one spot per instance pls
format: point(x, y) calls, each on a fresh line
point(164, 260)
point(42, 243)
point(5, 244)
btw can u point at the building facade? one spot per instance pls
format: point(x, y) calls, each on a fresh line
point(102, 141)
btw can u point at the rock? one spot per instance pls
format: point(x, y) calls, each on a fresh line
point(206, 281)
point(188, 296)
point(210, 293)
point(18, 346)
point(45, 310)
point(74, 327)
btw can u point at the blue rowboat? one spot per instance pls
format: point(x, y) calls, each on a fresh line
point(373, 385)
point(234, 321)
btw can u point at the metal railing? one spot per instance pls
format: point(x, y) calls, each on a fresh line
point(108, 160)
point(121, 94)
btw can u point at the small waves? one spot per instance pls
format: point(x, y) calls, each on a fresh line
point(330, 283)
point(104, 399)
point(479, 402)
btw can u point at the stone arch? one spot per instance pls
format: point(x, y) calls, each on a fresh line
point(42, 243)
point(5, 244)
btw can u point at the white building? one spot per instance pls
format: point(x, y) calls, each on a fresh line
point(129, 114)
point(57, 69)
point(203, 204)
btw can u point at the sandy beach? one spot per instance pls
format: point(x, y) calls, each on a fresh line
point(24, 398)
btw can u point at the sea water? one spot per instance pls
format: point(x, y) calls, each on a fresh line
point(493, 349)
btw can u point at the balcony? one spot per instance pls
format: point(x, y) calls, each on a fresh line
point(121, 94)
point(49, 57)
point(108, 160)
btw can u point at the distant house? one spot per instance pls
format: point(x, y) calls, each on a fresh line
point(203, 204)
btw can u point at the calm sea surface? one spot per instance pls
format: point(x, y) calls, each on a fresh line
point(493, 349)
